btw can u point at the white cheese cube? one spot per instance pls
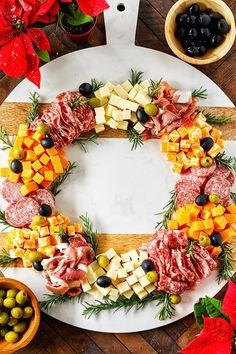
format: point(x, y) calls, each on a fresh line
point(116, 259)
point(142, 98)
point(98, 94)
point(117, 115)
point(100, 115)
point(123, 287)
point(144, 281)
point(110, 253)
point(93, 292)
point(142, 294)
point(145, 83)
point(99, 272)
point(103, 291)
point(137, 288)
point(86, 286)
point(125, 257)
point(143, 256)
point(127, 86)
point(109, 109)
point(94, 265)
point(123, 104)
point(137, 87)
point(110, 86)
point(128, 294)
point(91, 276)
point(150, 288)
point(99, 128)
point(133, 117)
point(132, 94)
point(112, 123)
point(132, 106)
point(120, 91)
point(123, 125)
point(128, 266)
point(131, 280)
point(115, 265)
point(112, 273)
point(139, 272)
point(136, 264)
point(122, 273)
point(104, 91)
point(113, 292)
point(139, 128)
point(133, 255)
point(113, 297)
point(126, 114)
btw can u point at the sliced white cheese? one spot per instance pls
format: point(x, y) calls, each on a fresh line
point(86, 286)
point(99, 128)
point(91, 276)
point(127, 86)
point(99, 272)
point(110, 253)
point(94, 265)
point(112, 273)
point(134, 255)
point(125, 257)
point(143, 256)
point(123, 287)
point(131, 280)
point(132, 94)
point(122, 103)
point(183, 96)
point(133, 117)
point(123, 125)
point(122, 273)
point(110, 86)
point(95, 293)
point(126, 114)
point(128, 266)
point(142, 98)
point(137, 288)
point(104, 91)
point(98, 94)
point(144, 84)
point(144, 281)
point(139, 272)
point(116, 259)
point(137, 87)
point(120, 91)
point(113, 291)
point(142, 294)
point(150, 288)
point(113, 297)
point(139, 128)
point(100, 115)
point(109, 109)
point(103, 291)
point(136, 264)
point(128, 294)
point(112, 123)
point(117, 115)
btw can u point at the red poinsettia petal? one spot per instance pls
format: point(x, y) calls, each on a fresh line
point(48, 11)
point(31, 11)
point(13, 58)
point(6, 31)
point(229, 303)
point(215, 338)
point(39, 38)
point(32, 72)
point(93, 7)
point(11, 10)
point(66, 0)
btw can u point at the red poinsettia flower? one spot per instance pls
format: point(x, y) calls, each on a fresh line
point(17, 35)
point(91, 7)
point(229, 303)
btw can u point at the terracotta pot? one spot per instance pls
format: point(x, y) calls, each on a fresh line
point(81, 37)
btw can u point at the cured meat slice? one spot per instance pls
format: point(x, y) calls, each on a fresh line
point(222, 171)
point(26, 209)
point(220, 186)
point(188, 176)
point(204, 171)
point(186, 197)
point(10, 191)
point(182, 185)
point(231, 178)
point(43, 196)
point(12, 216)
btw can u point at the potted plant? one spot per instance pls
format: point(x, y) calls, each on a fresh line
point(77, 18)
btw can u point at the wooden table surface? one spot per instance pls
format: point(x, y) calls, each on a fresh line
point(55, 337)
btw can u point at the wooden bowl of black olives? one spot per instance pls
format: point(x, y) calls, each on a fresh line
point(200, 32)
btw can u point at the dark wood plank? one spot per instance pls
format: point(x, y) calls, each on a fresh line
point(107, 342)
point(160, 341)
point(135, 343)
point(175, 330)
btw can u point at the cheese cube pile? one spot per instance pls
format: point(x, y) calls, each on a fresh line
point(182, 146)
point(126, 273)
point(45, 238)
point(119, 105)
point(40, 166)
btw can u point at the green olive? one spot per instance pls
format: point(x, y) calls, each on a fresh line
point(152, 276)
point(103, 261)
point(12, 321)
point(2, 293)
point(1, 302)
point(214, 198)
point(17, 312)
point(151, 109)
point(4, 318)
point(206, 161)
point(204, 239)
point(18, 153)
point(3, 332)
point(9, 302)
point(12, 292)
point(38, 220)
point(35, 256)
point(43, 129)
point(94, 102)
point(11, 337)
point(175, 299)
point(21, 297)
point(20, 327)
point(28, 312)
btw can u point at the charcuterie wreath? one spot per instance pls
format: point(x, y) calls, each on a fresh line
point(195, 228)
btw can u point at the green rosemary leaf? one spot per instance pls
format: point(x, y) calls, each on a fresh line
point(167, 310)
point(83, 140)
point(225, 269)
point(136, 77)
point(5, 259)
point(167, 211)
point(154, 88)
point(90, 233)
point(34, 98)
point(229, 161)
point(96, 85)
point(3, 220)
point(62, 178)
point(77, 101)
point(200, 93)
point(5, 139)
point(55, 299)
point(134, 137)
point(219, 120)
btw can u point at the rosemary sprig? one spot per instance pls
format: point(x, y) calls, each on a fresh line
point(78, 100)
point(229, 161)
point(163, 300)
point(83, 140)
point(200, 93)
point(64, 235)
point(134, 137)
point(96, 85)
point(225, 270)
point(154, 88)
point(89, 231)
point(55, 299)
point(3, 220)
point(34, 98)
point(136, 77)
point(167, 211)
point(5, 139)
point(190, 249)
point(219, 120)
point(62, 178)
point(5, 259)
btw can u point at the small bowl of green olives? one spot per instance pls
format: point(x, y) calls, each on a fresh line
point(19, 315)
point(200, 32)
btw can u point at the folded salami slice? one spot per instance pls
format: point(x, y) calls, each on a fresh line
point(186, 197)
point(20, 214)
point(204, 171)
point(183, 185)
point(43, 196)
point(10, 191)
point(220, 186)
point(222, 171)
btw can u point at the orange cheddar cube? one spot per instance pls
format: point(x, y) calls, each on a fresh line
point(177, 167)
point(13, 177)
point(209, 206)
point(28, 188)
point(216, 133)
point(30, 244)
point(172, 225)
point(18, 142)
point(232, 208)
point(214, 151)
point(4, 171)
point(38, 178)
point(34, 235)
point(183, 132)
point(43, 231)
point(200, 120)
point(163, 147)
point(228, 234)
point(43, 170)
point(78, 228)
point(49, 176)
point(205, 132)
point(209, 231)
point(65, 163)
point(218, 210)
point(61, 153)
point(26, 165)
point(185, 144)
point(174, 136)
point(36, 165)
point(171, 156)
point(193, 234)
point(53, 221)
point(194, 134)
point(216, 251)
point(172, 147)
point(23, 130)
point(71, 230)
point(52, 151)
point(58, 168)
point(205, 214)
point(44, 159)
point(208, 224)
point(221, 143)
point(37, 136)
point(44, 241)
point(46, 184)
point(231, 218)
point(220, 222)
point(28, 142)
point(47, 251)
point(194, 162)
point(39, 149)
point(27, 173)
point(30, 155)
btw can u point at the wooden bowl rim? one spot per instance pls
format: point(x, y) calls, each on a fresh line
point(213, 58)
point(36, 319)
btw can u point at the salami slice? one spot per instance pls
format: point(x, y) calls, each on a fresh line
point(26, 209)
point(220, 186)
point(43, 196)
point(222, 171)
point(186, 197)
point(183, 185)
point(204, 171)
point(12, 217)
point(10, 191)
point(231, 178)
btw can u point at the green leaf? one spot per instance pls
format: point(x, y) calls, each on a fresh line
point(199, 310)
point(77, 17)
point(213, 307)
point(43, 55)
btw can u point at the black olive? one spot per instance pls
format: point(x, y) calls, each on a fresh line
point(191, 20)
point(201, 50)
point(16, 166)
point(86, 89)
point(180, 33)
point(47, 143)
point(206, 143)
point(223, 26)
point(142, 115)
point(147, 265)
point(181, 19)
point(38, 266)
point(192, 33)
point(103, 281)
point(204, 19)
point(192, 51)
point(216, 40)
point(205, 33)
point(45, 210)
point(216, 239)
point(194, 9)
point(215, 16)
point(201, 199)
